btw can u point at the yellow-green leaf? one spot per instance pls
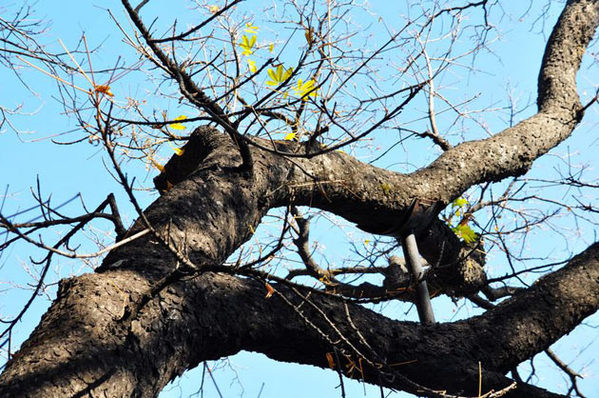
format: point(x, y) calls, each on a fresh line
point(249, 28)
point(247, 44)
point(178, 151)
point(386, 188)
point(460, 202)
point(271, 46)
point(278, 76)
point(178, 126)
point(252, 66)
point(465, 232)
point(305, 89)
point(289, 137)
point(157, 165)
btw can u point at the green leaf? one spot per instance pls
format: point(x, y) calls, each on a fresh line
point(465, 232)
point(460, 202)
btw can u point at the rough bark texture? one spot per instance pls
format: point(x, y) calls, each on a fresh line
point(93, 340)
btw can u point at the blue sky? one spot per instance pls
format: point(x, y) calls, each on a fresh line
point(508, 70)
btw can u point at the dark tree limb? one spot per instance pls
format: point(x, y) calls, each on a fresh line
point(85, 343)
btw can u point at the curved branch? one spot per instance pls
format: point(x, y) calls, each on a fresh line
point(345, 183)
point(216, 315)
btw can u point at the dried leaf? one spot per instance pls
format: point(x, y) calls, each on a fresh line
point(104, 89)
point(269, 290)
point(309, 38)
point(330, 360)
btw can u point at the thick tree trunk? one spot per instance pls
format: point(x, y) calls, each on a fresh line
point(93, 339)
point(84, 345)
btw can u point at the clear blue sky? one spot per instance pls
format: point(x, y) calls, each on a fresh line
point(64, 171)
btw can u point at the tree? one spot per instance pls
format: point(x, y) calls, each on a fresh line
point(167, 296)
